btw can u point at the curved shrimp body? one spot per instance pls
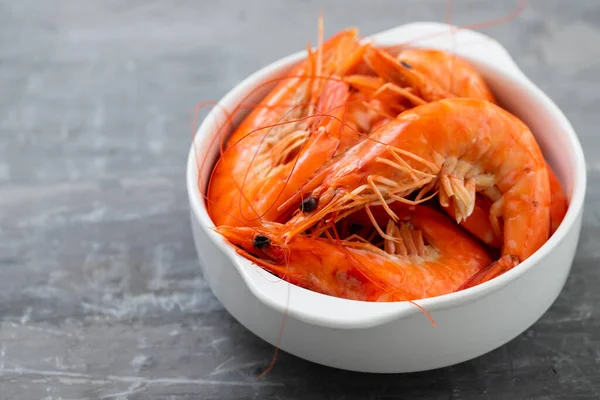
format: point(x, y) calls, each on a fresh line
point(457, 147)
point(431, 74)
point(286, 138)
point(444, 74)
point(427, 255)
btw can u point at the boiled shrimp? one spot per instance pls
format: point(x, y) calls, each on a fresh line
point(430, 74)
point(446, 75)
point(455, 148)
point(427, 256)
point(405, 82)
point(449, 71)
point(278, 146)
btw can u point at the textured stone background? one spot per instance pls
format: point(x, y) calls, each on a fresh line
point(100, 296)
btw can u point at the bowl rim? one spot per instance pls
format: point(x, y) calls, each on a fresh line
point(388, 310)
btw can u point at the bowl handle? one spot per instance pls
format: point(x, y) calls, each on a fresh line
point(318, 309)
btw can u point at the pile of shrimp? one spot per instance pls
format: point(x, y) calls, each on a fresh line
point(383, 174)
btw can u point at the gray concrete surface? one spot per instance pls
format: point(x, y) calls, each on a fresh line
point(100, 295)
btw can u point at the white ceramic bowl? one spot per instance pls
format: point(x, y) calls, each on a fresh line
point(397, 337)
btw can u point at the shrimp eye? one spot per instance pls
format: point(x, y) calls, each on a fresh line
point(309, 204)
point(406, 65)
point(261, 241)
